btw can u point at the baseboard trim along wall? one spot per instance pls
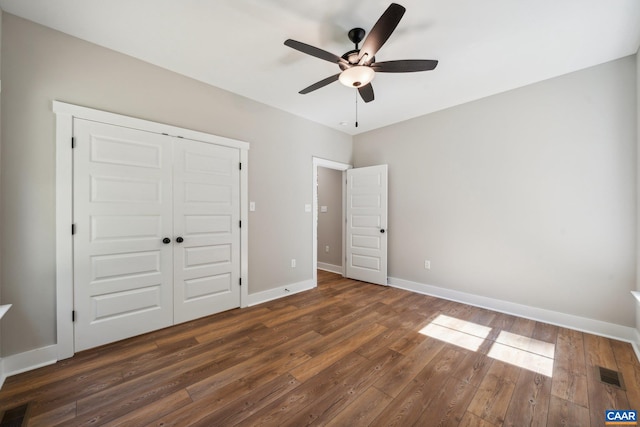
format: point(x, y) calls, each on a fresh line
point(2, 374)
point(583, 324)
point(280, 292)
point(330, 267)
point(29, 360)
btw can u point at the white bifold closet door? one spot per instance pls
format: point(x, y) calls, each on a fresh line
point(156, 231)
point(207, 218)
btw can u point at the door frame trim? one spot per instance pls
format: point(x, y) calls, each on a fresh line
point(330, 164)
point(65, 114)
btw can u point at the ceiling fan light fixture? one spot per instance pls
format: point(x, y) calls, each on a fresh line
point(357, 76)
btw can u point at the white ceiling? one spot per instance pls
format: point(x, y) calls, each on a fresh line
point(484, 47)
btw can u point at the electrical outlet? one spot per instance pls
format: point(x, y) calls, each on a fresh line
point(326, 249)
point(427, 264)
point(293, 263)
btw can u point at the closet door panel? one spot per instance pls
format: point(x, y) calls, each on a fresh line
point(123, 272)
point(206, 220)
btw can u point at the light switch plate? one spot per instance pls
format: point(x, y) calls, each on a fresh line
point(323, 209)
point(307, 207)
point(252, 206)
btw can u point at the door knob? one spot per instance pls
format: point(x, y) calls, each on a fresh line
point(179, 239)
point(382, 230)
point(166, 240)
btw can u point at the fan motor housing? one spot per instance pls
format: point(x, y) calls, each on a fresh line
point(352, 58)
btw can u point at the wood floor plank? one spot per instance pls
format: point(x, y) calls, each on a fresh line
point(383, 340)
point(422, 390)
point(522, 326)
point(343, 354)
point(449, 406)
point(148, 414)
point(219, 326)
point(283, 352)
point(530, 401)
point(285, 408)
point(545, 332)
point(569, 369)
point(624, 353)
point(631, 377)
point(491, 402)
point(363, 410)
point(471, 420)
point(334, 353)
point(347, 389)
point(473, 368)
point(407, 342)
point(565, 413)
point(598, 352)
point(406, 369)
point(205, 413)
point(57, 416)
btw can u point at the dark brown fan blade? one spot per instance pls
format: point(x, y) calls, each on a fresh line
point(313, 51)
point(366, 92)
point(381, 31)
point(405, 66)
point(321, 83)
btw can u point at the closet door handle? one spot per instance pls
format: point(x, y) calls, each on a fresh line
point(179, 239)
point(166, 240)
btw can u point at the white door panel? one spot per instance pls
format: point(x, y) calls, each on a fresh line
point(206, 217)
point(366, 236)
point(122, 210)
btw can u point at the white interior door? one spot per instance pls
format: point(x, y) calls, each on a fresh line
point(207, 229)
point(366, 234)
point(122, 211)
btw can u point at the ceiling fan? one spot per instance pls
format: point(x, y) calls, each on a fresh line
point(358, 67)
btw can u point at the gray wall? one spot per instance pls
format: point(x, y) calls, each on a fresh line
point(638, 193)
point(330, 222)
point(1, 300)
point(40, 65)
point(528, 196)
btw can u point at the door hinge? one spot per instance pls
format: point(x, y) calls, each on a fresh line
point(73, 316)
point(240, 224)
point(240, 165)
point(240, 281)
point(73, 142)
point(73, 229)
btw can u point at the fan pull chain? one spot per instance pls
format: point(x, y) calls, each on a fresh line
point(356, 108)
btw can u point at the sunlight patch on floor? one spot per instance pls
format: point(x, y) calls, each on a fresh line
point(458, 332)
point(518, 350)
point(524, 352)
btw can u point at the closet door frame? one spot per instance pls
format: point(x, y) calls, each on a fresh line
point(65, 115)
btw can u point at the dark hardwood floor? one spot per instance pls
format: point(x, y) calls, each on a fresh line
point(344, 354)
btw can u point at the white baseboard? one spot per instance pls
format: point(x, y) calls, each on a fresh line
point(636, 344)
point(32, 359)
point(583, 324)
point(2, 374)
point(330, 267)
point(280, 292)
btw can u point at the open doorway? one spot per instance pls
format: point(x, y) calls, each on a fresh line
point(328, 216)
point(330, 220)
